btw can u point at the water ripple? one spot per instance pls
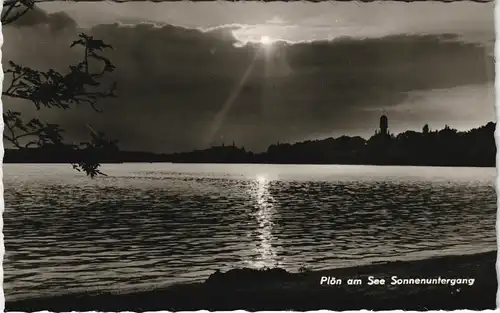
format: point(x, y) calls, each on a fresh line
point(154, 225)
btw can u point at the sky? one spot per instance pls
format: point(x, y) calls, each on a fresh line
point(191, 75)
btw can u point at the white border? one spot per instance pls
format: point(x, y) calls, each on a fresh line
point(2, 204)
point(497, 138)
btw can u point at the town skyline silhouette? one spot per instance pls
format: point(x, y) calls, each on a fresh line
point(440, 147)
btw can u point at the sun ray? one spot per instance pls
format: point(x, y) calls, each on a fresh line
point(219, 118)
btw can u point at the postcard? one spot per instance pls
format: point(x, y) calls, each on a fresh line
point(252, 156)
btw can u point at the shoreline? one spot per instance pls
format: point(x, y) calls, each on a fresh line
point(277, 289)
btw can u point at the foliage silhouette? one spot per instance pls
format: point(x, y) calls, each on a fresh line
point(14, 9)
point(50, 89)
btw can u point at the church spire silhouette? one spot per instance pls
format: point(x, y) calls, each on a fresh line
point(384, 125)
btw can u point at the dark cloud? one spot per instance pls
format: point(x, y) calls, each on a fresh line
point(173, 82)
point(37, 17)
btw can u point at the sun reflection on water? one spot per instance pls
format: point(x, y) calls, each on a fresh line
point(265, 205)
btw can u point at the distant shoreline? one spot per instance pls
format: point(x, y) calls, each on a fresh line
point(255, 163)
point(276, 289)
point(447, 147)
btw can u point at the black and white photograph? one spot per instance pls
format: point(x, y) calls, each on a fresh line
point(258, 156)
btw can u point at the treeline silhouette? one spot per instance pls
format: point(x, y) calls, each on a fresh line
point(445, 147)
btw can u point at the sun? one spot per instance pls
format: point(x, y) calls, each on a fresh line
point(265, 40)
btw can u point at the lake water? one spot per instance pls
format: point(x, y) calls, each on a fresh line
point(149, 225)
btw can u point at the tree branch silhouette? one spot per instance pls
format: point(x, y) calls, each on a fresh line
point(81, 85)
point(14, 9)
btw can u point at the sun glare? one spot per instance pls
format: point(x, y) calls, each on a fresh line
point(261, 179)
point(265, 40)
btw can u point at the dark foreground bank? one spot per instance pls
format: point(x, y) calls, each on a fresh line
point(279, 290)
